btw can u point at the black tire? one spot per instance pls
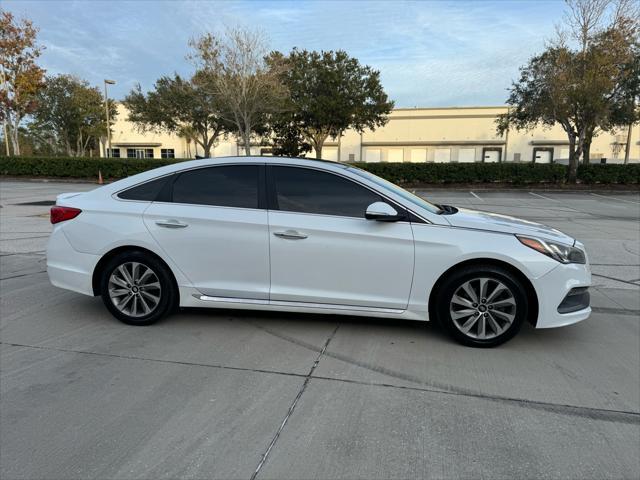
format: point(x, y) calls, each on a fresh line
point(454, 284)
point(168, 295)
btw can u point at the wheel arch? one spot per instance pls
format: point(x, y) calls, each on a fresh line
point(97, 271)
point(532, 296)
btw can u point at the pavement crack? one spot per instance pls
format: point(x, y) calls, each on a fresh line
point(431, 386)
point(615, 264)
point(36, 253)
point(22, 238)
point(616, 279)
point(155, 360)
point(602, 414)
point(23, 275)
point(292, 407)
point(616, 311)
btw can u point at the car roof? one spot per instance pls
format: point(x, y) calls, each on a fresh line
point(269, 159)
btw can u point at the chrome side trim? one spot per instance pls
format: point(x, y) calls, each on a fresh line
point(283, 303)
point(208, 298)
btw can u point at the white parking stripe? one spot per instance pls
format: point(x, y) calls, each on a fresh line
point(543, 197)
point(612, 198)
point(476, 196)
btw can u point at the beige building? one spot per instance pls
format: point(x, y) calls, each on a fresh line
point(456, 134)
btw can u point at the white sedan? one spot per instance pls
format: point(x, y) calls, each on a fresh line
point(311, 236)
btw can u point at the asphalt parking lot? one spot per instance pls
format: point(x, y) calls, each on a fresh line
point(220, 394)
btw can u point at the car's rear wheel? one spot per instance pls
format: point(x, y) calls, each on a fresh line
point(481, 306)
point(137, 288)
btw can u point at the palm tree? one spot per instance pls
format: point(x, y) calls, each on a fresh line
point(188, 133)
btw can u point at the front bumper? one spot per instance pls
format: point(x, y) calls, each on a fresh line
point(552, 289)
point(67, 268)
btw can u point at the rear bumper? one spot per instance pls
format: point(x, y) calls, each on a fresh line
point(67, 268)
point(552, 289)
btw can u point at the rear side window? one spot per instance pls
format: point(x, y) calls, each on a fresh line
point(147, 192)
point(224, 186)
point(311, 191)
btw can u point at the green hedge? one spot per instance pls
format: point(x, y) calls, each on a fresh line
point(79, 167)
point(609, 174)
point(421, 173)
point(410, 174)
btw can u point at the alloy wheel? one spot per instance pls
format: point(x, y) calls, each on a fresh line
point(483, 308)
point(134, 289)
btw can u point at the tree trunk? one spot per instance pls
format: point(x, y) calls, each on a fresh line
point(572, 174)
point(206, 146)
point(627, 147)
point(15, 137)
point(586, 151)
point(246, 136)
point(318, 142)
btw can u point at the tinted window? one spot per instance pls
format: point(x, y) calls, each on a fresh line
point(146, 192)
point(312, 191)
point(232, 186)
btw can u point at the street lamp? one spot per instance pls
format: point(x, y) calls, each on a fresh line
point(106, 108)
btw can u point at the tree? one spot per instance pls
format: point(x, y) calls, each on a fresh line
point(587, 89)
point(286, 138)
point(21, 77)
point(245, 85)
point(331, 92)
point(72, 112)
point(180, 105)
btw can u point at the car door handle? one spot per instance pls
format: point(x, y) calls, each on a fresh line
point(291, 235)
point(171, 224)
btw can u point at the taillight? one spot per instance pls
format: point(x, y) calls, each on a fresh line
point(60, 214)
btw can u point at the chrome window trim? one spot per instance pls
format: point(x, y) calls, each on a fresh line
point(309, 167)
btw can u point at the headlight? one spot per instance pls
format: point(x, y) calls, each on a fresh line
point(557, 251)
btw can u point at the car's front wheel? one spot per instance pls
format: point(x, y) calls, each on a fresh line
point(481, 306)
point(137, 288)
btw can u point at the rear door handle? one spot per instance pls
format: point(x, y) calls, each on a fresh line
point(291, 235)
point(171, 224)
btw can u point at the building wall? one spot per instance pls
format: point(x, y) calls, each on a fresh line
point(458, 134)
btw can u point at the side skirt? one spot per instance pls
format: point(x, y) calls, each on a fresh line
point(191, 298)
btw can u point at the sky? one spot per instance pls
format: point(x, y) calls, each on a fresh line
point(429, 53)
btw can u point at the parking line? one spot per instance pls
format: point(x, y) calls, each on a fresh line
point(612, 198)
point(476, 196)
point(543, 197)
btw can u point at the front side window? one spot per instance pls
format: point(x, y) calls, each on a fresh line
point(392, 187)
point(167, 153)
point(311, 191)
point(114, 153)
point(224, 186)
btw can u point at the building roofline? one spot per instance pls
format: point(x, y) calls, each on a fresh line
point(484, 107)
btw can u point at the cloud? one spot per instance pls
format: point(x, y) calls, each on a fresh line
point(430, 53)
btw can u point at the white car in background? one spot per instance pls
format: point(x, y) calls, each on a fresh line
point(311, 236)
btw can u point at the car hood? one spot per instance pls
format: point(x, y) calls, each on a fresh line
point(496, 222)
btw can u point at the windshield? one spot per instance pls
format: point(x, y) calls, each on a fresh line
point(410, 197)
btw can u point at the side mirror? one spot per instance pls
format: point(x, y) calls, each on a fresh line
point(382, 212)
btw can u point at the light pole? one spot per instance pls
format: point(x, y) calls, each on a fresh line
point(106, 109)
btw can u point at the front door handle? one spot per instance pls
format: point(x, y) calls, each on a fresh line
point(291, 235)
point(171, 224)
